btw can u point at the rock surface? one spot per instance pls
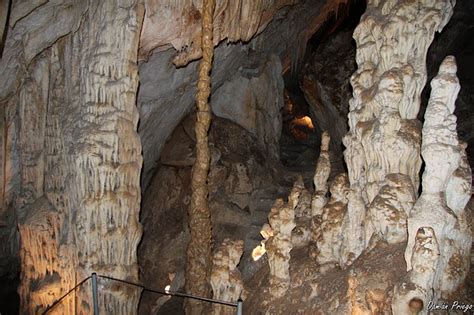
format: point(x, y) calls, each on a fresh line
point(439, 238)
point(226, 281)
point(76, 156)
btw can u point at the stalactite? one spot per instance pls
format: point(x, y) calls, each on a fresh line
point(236, 20)
point(198, 263)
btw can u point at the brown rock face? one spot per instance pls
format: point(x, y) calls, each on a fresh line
point(179, 23)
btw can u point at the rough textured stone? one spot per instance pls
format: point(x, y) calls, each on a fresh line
point(79, 156)
point(226, 281)
point(179, 24)
point(439, 239)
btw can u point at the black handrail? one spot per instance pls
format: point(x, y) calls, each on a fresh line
point(166, 292)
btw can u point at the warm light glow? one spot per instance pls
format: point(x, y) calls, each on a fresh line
point(259, 251)
point(304, 121)
point(167, 289)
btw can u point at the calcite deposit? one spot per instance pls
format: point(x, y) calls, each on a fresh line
point(226, 281)
point(384, 139)
point(329, 236)
point(180, 27)
point(439, 238)
point(279, 245)
point(77, 152)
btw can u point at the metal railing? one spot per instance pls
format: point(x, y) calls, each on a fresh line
point(95, 293)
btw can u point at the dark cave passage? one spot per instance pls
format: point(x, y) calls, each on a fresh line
point(317, 92)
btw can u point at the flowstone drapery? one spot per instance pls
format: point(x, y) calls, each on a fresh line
point(80, 160)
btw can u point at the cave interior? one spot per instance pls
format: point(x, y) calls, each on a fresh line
point(340, 155)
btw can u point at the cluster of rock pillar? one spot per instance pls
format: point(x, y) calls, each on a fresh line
point(377, 200)
point(79, 164)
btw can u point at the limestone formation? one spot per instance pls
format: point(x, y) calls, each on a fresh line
point(439, 239)
point(257, 99)
point(198, 253)
point(389, 211)
point(301, 234)
point(321, 175)
point(260, 250)
point(226, 281)
point(179, 24)
point(320, 179)
point(78, 155)
point(329, 238)
point(279, 245)
point(383, 143)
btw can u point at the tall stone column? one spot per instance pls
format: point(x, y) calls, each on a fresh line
point(80, 163)
point(385, 137)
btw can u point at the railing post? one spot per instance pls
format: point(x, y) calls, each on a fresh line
point(239, 307)
point(95, 300)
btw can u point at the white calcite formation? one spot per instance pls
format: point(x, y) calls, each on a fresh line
point(226, 281)
point(301, 234)
point(384, 139)
point(279, 245)
point(329, 239)
point(439, 238)
point(388, 212)
point(321, 175)
point(79, 158)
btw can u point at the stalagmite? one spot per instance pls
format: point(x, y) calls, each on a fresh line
point(279, 245)
point(439, 238)
point(226, 281)
point(319, 197)
point(383, 143)
point(301, 234)
point(198, 262)
point(389, 211)
point(329, 236)
point(321, 175)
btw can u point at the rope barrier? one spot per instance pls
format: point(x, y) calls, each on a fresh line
point(166, 292)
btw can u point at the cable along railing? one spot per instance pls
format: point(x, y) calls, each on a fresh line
point(95, 293)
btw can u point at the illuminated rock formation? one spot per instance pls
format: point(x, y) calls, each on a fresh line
point(79, 154)
point(301, 234)
point(329, 236)
point(226, 281)
point(439, 238)
point(279, 245)
point(383, 143)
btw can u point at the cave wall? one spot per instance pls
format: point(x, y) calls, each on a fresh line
point(176, 99)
